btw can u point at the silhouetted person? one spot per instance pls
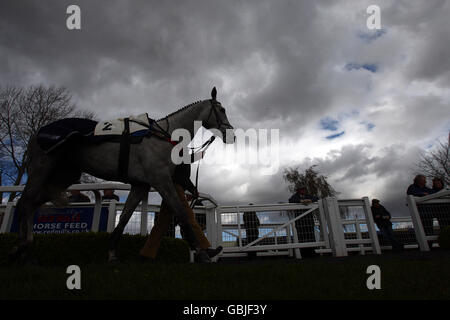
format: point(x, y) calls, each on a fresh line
point(440, 211)
point(251, 225)
point(419, 188)
point(77, 196)
point(438, 185)
point(182, 182)
point(305, 226)
point(108, 194)
point(382, 218)
point(199, 217)
point(429, 211)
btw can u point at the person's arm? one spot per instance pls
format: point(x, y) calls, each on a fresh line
point(375, 213)
point(189, 186)
point(413, 190)
point(409, 190)
point(312, 198)
point(386, 214)
point(293, 198)
point(182, 176)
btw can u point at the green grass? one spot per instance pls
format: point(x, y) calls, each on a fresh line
point(403, 276)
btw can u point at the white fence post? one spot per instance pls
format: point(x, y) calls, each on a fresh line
point(97, 211)
point(219, 237)
point(288, 239)
point(371, 226)
point(359, 236)
point(111, 216)
point(337, 238)
point(238, 220)
point(417, 223)
point(7, 217)
point(210, 229)
point(297, 253)
point(323, 224)
point(144, 215)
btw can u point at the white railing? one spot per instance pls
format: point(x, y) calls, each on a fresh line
point(356, 213)
point(114, 207)
point(335, 226)
point(424, 210)
point(280, 236)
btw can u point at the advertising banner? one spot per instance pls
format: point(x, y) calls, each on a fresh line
point(65, 220)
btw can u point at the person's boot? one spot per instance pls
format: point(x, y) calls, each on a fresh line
point(214, 252)
point(202, 256)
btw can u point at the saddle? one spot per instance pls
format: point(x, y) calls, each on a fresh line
point(138, 126)
point(62, 132)
point(72, 131)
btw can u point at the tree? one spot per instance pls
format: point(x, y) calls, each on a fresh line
point(316, 184)
point(436, 163)
point(22, 112)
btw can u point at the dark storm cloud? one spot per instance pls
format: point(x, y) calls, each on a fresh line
point(429, 22)
point(170, 46)
point(166, 54)
point(171, 53)
point(277, 64)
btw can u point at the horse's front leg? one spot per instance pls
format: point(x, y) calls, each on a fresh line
point(137, 193)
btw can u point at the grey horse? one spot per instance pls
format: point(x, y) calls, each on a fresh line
point(150, 165)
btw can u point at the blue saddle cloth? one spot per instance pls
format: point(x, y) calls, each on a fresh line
point(76, 130)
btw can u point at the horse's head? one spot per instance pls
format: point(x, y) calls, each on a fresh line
point(217, 119)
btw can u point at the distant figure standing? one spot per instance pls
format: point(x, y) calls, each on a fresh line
point(305, 226)
point(77, 196)
point(382, 218)
point(251, 225)
point(440, 211)
point(108, 195)
point(419, 188)
point(438, 185)
point(429, 211)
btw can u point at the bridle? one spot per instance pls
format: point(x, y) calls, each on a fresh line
point(220, 123)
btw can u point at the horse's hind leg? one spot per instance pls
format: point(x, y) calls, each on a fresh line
point(36, 193)
point(137, 193)
point(46, 181)
point(26, 206)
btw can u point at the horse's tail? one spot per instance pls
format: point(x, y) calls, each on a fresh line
point(32, 153)
point(35, 157)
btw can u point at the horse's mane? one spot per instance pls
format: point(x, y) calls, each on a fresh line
point(181, 109)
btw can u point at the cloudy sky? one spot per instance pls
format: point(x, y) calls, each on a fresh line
point(359, 103)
